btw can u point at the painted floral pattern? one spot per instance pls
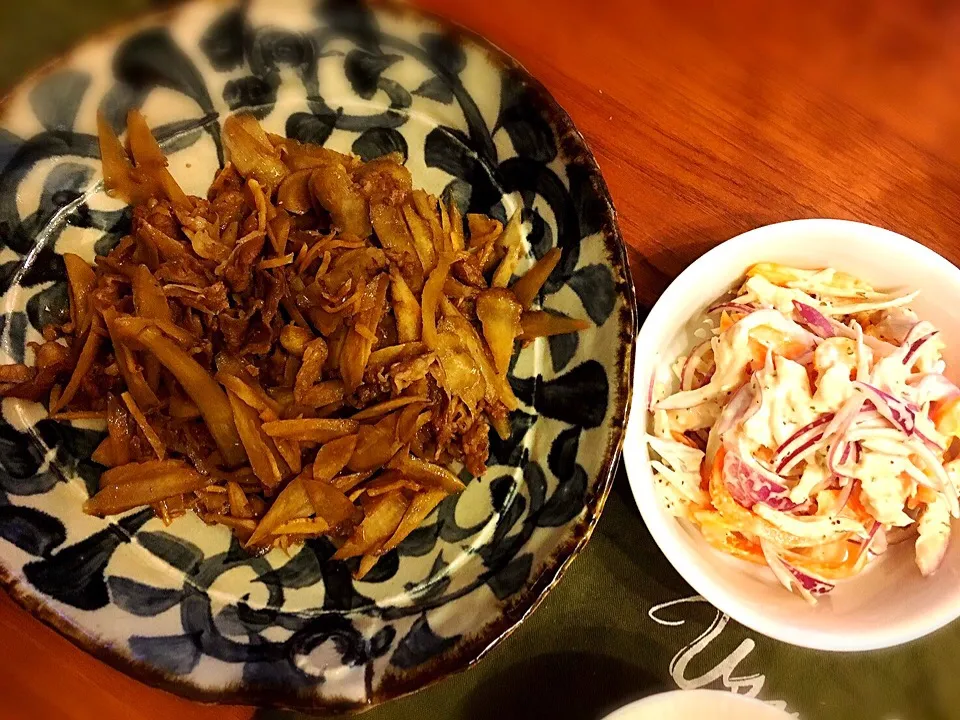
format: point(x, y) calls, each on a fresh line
point(186, 602)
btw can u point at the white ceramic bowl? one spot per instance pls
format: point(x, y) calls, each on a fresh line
point(697, 705)
point(889, 603)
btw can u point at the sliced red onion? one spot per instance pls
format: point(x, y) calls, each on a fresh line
point(894, 410)
point(653, 381)
point(692, 363)
point(840, 450)
point(741, 406)
point(812, 585)
point(915, 347)
point(809, 448)
point(834, 462)
point(801, 453)
point(743, 402)
point(745, 308)
point(807, 507)
point(800, 441)
point(700, 437)
point(840, 453)
point(736, 443)
point(809, 587)
point(778, 566)
point(814, 320)
point(769, 476)
point(846, 453)
point(749, 486)
point(844, 417)
point(917, 332)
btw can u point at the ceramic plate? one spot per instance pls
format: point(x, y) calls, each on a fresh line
point(183, 606)
point(697, 704)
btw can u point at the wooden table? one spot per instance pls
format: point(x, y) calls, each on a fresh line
point(706, 122)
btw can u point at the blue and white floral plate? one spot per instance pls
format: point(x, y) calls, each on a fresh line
point(184, 607)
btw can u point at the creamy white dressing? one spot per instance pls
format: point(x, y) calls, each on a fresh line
point(787, 404)
point(835, 360)
point(890, 374)
point(884, 493)
point(953, 472)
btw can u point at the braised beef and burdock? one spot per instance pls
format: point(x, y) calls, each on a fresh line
point(312, 349)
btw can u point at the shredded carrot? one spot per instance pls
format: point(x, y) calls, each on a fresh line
point(764, 453)
point(923, 496)
point(758, 352)
point(792, 350)
point(946, 416)
point(856, 506)
point(726, 322)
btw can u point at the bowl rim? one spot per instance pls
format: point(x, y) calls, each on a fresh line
point(574, 148)
point(636, 460)
point(727, 698)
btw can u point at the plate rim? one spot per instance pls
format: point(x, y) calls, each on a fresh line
point(726, 698)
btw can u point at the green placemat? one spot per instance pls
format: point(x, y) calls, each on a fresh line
point(35, 31)
point(622, 624)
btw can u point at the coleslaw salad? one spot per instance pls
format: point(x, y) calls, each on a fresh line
point(809, 428)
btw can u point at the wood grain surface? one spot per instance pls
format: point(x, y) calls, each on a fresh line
point(708, 119)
